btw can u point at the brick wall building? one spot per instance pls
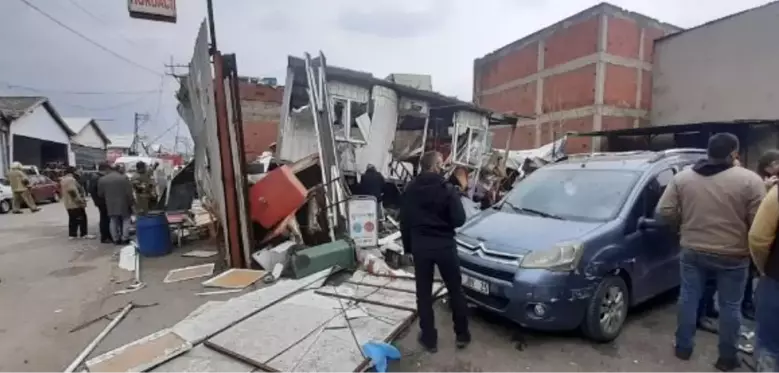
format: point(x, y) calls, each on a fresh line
point(261, 111)
point(591, 71)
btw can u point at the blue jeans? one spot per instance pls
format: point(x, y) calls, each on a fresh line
point(767, 330)
point(731, 276)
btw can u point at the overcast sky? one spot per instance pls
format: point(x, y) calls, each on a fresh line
point(437, 37)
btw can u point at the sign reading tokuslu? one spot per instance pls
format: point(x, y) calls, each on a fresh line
point(156, 10)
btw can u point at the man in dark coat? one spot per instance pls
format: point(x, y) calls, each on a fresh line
point(372, 184)
point(105, 221)
point(117, 192)
point(430, 212)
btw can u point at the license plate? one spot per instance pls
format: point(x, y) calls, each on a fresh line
point(475, 284)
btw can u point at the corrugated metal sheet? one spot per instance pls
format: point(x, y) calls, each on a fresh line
point(196, 107)
point(299, 137)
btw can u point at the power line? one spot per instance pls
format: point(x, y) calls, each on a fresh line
point(104, 48)
point(65, 92)
point(103, 21)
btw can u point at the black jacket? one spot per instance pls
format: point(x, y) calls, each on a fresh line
point(372, 184)
point(429, 213)
point(93, 189)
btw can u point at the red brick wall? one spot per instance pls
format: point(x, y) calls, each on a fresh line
point(257, 136)
point(620, 86)
point(576, 144)
point(609, 123)
point(520, 99)
point(261, 111)
point(524, 138)
point(650, 35)
point(568, 44)
point(570, 90)
point(623, 38)
point(516, 65)
point(646, 90)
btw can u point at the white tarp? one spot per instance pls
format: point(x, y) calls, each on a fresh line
point(547, 153)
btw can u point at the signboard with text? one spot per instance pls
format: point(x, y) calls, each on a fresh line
point(155, 10)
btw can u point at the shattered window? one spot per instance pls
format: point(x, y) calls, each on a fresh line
point(584, 194)
point(340, 116)
point(360, 123)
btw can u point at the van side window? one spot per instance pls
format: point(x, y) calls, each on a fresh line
point(654, 190)
point(647, 201)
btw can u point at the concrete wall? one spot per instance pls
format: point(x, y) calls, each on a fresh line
point(587, 72)
point(261, 111)
point(722, 71)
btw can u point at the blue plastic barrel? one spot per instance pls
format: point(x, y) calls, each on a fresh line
point(153, 235)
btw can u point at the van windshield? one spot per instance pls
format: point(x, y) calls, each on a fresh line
point(582, 194)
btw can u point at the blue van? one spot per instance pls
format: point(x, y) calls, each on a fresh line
point(575, 244)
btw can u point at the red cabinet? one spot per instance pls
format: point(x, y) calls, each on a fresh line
point(276, 196)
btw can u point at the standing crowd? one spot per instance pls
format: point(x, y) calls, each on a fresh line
point(116, 196)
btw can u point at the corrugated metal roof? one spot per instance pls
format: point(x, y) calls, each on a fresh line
point(15, 106)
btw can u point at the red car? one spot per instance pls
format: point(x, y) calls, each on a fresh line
point(44, 189)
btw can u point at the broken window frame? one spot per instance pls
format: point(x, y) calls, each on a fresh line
point(346, 119)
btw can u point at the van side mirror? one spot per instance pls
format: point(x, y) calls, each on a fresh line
point(645, 223)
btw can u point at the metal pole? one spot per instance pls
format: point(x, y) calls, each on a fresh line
point(211, 25)
point(88, 350)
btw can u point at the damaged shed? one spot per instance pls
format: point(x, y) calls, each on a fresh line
point(383, 123)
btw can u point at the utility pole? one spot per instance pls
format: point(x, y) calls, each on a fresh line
point(138, 118)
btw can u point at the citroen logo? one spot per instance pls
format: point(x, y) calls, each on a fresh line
point(480, 249)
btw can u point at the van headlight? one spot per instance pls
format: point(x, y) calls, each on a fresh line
point(562, 257)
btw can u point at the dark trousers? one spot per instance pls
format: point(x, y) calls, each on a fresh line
point(77, 222)
point(449, 266)
point(105, 223)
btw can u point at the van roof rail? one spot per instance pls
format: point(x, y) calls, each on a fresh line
point(677, 151)
point(602, 154)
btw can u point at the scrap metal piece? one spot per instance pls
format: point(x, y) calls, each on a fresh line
point(91, 346)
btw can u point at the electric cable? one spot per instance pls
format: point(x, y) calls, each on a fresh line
point(91, 41)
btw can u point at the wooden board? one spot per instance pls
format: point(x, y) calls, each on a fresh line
point(235, 278)
point(142, 354)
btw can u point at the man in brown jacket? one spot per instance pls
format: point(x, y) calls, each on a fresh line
point(20, 186)
point(765, 254)
point(73, 198)
point(713, 204)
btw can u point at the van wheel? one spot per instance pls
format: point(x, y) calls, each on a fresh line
point(607, 310)
point(5, 206)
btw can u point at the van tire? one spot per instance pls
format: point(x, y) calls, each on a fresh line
point(5, 206)
point(611, 298)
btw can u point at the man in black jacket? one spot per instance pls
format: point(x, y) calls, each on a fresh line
point(105, 231)
point(372, 184)
point(430, 212)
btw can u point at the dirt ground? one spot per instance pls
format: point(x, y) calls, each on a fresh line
point(48, 285)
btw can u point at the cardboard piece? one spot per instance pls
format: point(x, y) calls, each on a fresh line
point(235, 278)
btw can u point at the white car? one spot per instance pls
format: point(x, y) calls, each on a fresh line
point(5, 196)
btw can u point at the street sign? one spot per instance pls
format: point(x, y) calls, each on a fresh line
point(363, 222)
point(155, 10)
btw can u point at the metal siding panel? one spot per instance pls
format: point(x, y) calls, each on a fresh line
point(382, 131)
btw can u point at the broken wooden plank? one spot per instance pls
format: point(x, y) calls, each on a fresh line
point(203, 359)
point(188, 273)
point(142, 354)
point(235, 278)
point(198, 328)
